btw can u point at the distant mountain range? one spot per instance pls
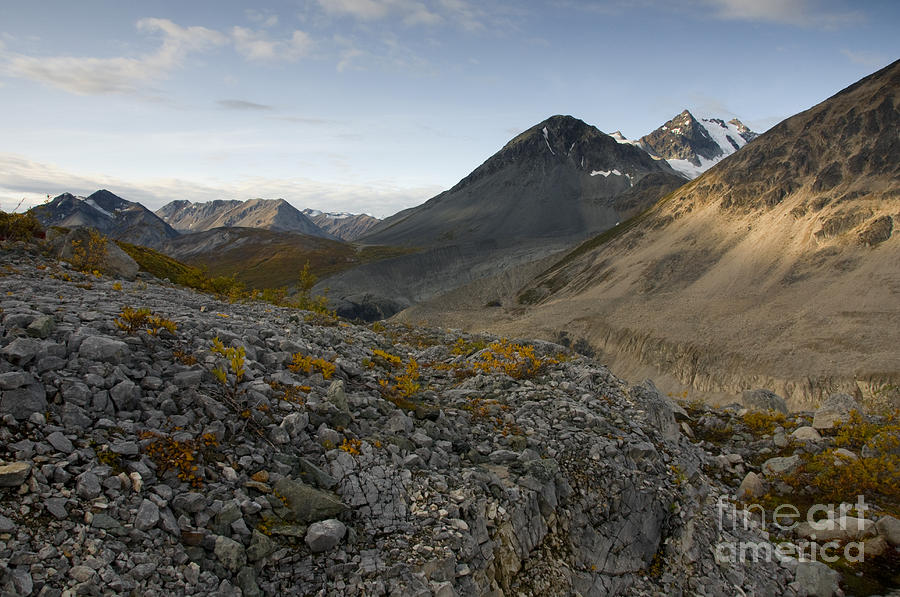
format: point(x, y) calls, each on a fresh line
point(345, 226)
point(265, 214)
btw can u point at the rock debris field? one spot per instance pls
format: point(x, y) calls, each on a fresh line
point(257, 450)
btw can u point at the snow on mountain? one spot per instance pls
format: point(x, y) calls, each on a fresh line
point(692, 146)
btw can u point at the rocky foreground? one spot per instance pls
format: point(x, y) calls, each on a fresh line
point(257, 450)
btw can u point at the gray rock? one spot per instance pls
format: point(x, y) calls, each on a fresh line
point(889, 528)
point(325, 535)
point(104, 349)
point(60, 442)
point(57, 507)
point(13, 379)
point(815, 579)
point(835, 410)
point(780, 465)
point(230, 553)
point(806, 433)
point(763, 400)
point(660, 410)
point(21, 403)
point(260, 546)
point(147, 516)
point(751, 487)
point(41, 327)
point(21, 351)
point(337, 396)
point(22, 581)
point(14, 473)
point(188, 379)
point(88, 486)
point(305, 503)
point(6, 525)
point(844, 528)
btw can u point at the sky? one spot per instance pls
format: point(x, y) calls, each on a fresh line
point(372, 106)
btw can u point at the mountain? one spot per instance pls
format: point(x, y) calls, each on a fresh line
point(268, 214)
point(693, 146)
point(108, 213)
point(545, 190)
point(779, 267)
point(561, 177)
point(345, 226)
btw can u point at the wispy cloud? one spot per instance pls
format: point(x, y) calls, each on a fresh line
point(263, 18)
point(410, 12)
point(803, 13)
point(95, 76)
point(257, 45)
point(235, 104)
point(868, 59)
point(23, 178)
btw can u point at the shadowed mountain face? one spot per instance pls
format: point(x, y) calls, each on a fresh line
point(109, 214)
point(782, 260)
point(560, 178)
point(267, 214)
point(547, 189)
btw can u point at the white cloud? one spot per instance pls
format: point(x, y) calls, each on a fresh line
point(235, 104)
point(804, 13)
point(410, 12)
point(256, 45)
point(868, 59)
point(23, 178)
point(96, 76)
point(262, 17)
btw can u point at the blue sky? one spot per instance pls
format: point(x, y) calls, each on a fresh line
point(376, 105)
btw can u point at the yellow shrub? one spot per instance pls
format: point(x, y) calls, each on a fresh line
point(307, 364)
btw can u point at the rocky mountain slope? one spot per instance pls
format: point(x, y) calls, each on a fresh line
point(201, 447)
point(551, 186)
point(694, 146)
point(778, 267)
point(267, 214)
point(345, 226)
point(109, 214)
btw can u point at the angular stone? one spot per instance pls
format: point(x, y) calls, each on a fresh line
point(41, 327)
point(305, 503)
point(60, 442)
point(57, 507)
point(815, 579)
point(125, 395)
point(230, 553)
point(780, 465)
point(260, 546)
point(188, 379)
point(88, 486)
point(325, 535)
point(13, 379)
point(14, 473)
point(660, 410)
point(147, 516)
point(6, 525)
point(751, 487)
point(763, 400)
point(835, 410)
point(21, 403)
point(337, 396)
point(104, 349)
point(21, 351)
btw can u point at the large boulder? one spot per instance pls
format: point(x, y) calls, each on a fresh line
point(325, 535)
point(115, 262)
point(660, 410)
point(305, 503)
point(815, 579)
point(835, 410)
point(763, 401)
